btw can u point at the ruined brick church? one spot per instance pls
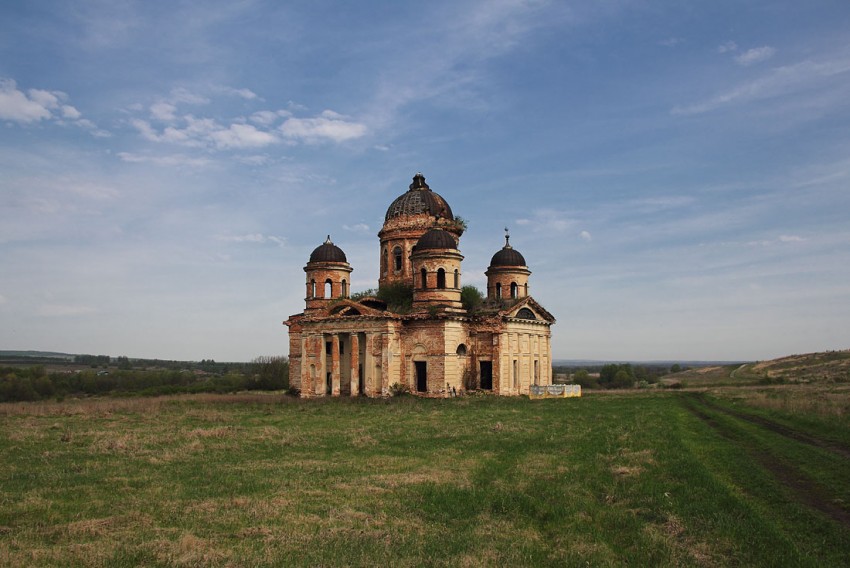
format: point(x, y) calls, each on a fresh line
point(432, 343)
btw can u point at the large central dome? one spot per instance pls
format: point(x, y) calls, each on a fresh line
point(418, 200)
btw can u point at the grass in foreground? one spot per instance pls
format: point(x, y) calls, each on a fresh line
point(641, 479)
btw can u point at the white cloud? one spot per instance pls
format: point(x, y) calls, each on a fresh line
point(255, 238)
point(206, 132)
point(727, 47)
point(265, 117)
point(71, 113)
point(163, 111)
point(242, 136)
point(755, 55)
point(37, 104)
point(781, 239)
point(181, 95)
point(46, 99)
point(145, 130)
point(328, 126)
point(255, 160)
point(2, 299)
point(247, 94)
point(585, 236)
point(172, 160)
point(357, 228)
point(15, 105)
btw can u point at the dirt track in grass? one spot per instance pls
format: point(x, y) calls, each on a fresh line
point(804, 489)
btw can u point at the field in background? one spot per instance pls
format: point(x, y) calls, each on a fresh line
point(717, 477)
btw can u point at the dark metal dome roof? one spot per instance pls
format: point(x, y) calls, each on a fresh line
point(436, 239)
point(328, 252)
point(508, 256)
point(419, 199)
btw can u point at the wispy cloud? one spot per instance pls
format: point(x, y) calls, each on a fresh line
point(253, 238)
point(788, 79)
point(163, 111)
point(357, 228)
point(585, 236)
point(268, 117)
point(170, 160)
point(444, 64)
point(755, 55)
point(727, 46)
point(547, 220)
point(671, 42)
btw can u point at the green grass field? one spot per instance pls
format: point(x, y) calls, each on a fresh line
point(645, 479)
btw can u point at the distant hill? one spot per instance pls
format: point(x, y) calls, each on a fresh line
point(828, 366)
point(573, 363)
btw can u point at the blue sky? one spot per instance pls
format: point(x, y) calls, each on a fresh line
point(675, 173)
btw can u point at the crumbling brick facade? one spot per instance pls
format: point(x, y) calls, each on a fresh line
point(342, 347)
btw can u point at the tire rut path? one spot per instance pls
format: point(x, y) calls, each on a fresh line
point(804, 489)
point(777, 428)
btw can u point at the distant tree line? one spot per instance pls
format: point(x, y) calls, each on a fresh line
point(35, 383)
point(615, 375)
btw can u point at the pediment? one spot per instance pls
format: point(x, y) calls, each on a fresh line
point(347, 307)
point(529, 309)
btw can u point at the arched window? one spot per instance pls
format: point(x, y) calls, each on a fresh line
point(328, 288)
point(525, 313)
point(457, 279)
point(344, 289)
point(513, 290)
point(525, 290)
point(311, 289)
point(424, 279)
point(461, 349)
point(441, 278)
point(498, 291)
point(384, 261)
point(397, 259)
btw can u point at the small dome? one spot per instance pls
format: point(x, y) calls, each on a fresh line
point(436, 239)
point(508, 256)
point(419, 199)
point(328, 252)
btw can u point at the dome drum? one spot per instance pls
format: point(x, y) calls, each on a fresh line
point(328, 276)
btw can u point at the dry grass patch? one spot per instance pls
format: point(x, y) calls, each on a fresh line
point(191, 550)
point(541, 465)
point(828, 401)
point(111, 442)
point(219, 433)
